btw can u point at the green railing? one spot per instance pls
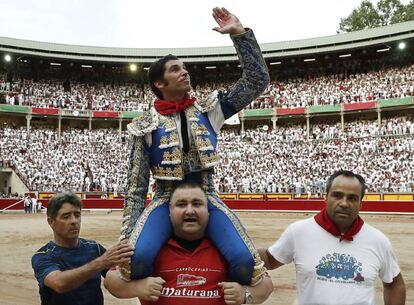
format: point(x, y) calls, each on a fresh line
point(13, 108)
point(258, 112)
point(396, 102)
point(262, 113)
point(324, 108)
point(130, 114)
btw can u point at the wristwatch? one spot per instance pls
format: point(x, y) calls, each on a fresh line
point(248, 298)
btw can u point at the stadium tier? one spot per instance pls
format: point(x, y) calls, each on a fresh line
point(64, 111)
point(335, 89)
point(280, 160)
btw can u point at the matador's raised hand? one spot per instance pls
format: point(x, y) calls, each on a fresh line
point(228, 23)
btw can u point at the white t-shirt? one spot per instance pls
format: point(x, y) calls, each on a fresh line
point(330, 272)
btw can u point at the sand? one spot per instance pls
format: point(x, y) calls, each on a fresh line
point(21, 235)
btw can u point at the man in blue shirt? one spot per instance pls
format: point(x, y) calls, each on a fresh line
point(68, 269)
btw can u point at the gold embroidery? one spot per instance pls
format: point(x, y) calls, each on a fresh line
point(193, 153)
point(160, 172)
point(132, 188)
point(192, 113)
point(164, 140)
point(199, 130)
point(125, 268)
point(204, 143)
point(207, 159)
point(172, 157)
point(168, 139)
point(167, 122)
point(259, 269)
point(143, 124)
point(208, 103)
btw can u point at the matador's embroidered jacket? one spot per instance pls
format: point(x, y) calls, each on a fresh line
point(156, 143)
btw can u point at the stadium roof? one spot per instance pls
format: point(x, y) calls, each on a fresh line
point(335, 43)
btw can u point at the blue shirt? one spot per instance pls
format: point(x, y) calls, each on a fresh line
point(52, 257)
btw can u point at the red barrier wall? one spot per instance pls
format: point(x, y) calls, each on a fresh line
point(265, 205)
point(105, 114)
point(317, 205)
point(357, 106)
point(287, 111)
point(45, 111)
point(103, 204)
point(7, 202)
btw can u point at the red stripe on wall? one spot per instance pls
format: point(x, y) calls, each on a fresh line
point(317, 205)
point(4, 203)
point(266, 205)
point(360, 106)
point(45, 111)
point(287, 111)
point(105, 114)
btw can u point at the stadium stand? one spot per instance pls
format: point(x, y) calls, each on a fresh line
point(63, 122)
point(274, 161)
point(376, 85)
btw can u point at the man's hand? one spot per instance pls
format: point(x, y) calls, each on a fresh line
point(150, 288)
point(233, 292)
point(228, 23)
point(115, 255)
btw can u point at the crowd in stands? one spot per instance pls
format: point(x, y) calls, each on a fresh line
point(339, 88)
point(274, 162)
point(99, 97)
point(332, 89)
point(10, 196)
point(283, 159)
point(82, 161)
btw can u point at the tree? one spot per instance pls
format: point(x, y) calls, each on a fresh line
point(390, 10)
point(361, 18)
point(368, 16)
point(406, 13)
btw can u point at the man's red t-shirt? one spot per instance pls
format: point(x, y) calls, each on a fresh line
point(190, 277)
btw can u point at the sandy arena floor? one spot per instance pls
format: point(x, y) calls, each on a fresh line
point(21, 235)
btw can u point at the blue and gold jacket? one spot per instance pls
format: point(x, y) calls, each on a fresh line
point(155, 143)
point(167, 161)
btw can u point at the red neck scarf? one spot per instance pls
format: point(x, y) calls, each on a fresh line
point(168, 107)
point(323, 219)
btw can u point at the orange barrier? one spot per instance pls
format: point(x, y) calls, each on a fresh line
point(252, 196)
point(227, 196)
point(46, 195)
point(293, 205)
point(398, 197)
point(255, 196)
point(279, 196)
point(370, 197)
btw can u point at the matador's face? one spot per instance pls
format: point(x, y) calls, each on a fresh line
point(176, 80)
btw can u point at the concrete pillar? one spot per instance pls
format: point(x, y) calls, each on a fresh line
point(28, 119)
point(379, 118)
point(120, 129)
point(274, 121)
point(59, 127)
